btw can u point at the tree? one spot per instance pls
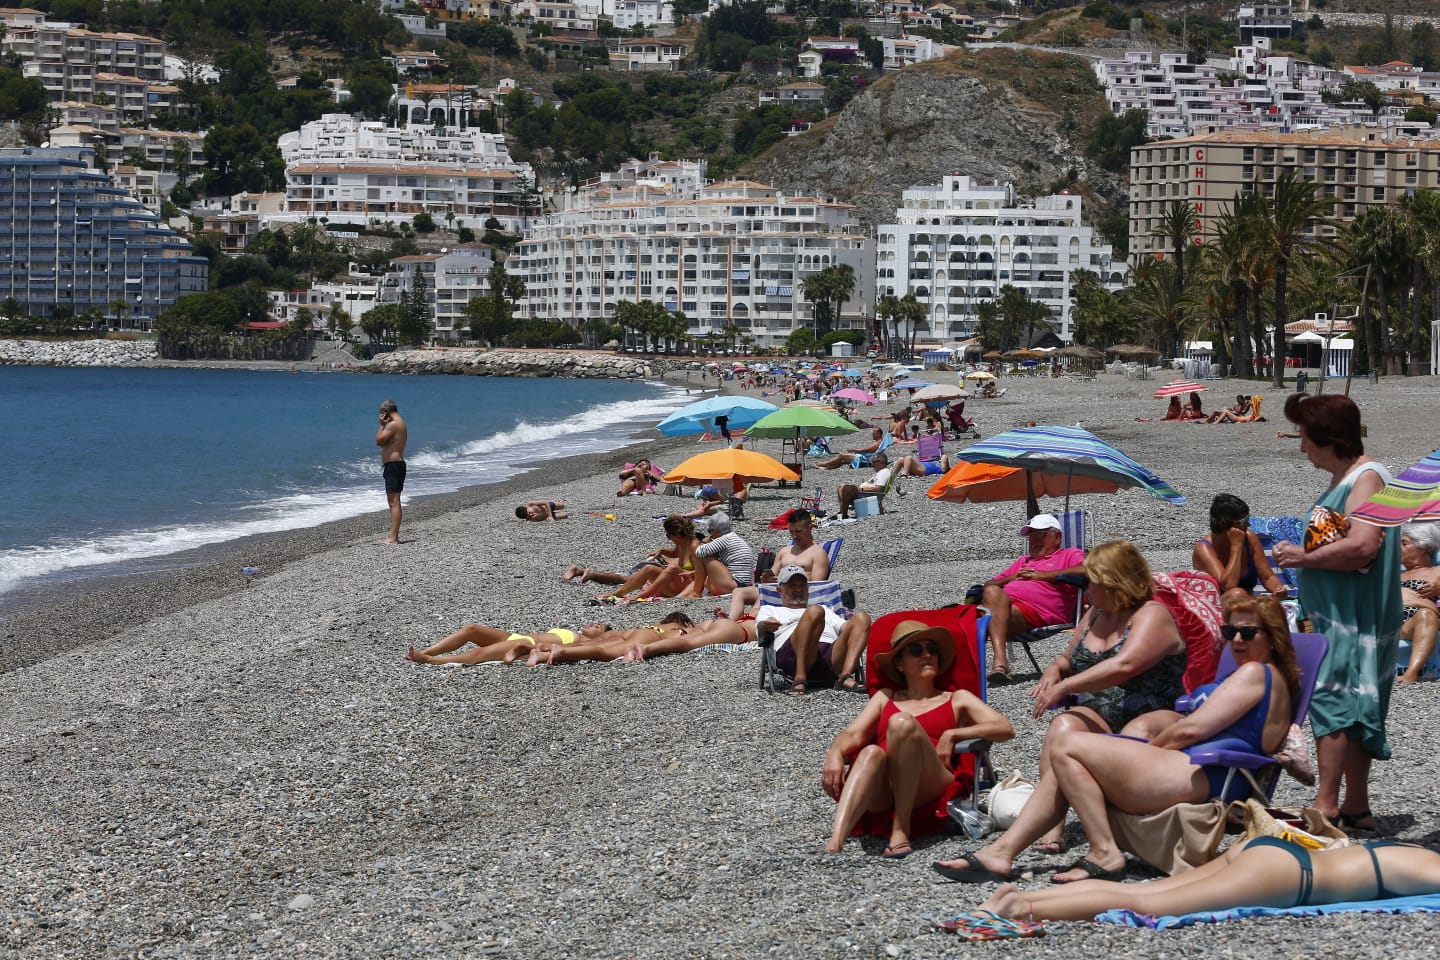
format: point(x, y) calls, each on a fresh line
point(338, 321)
point(828, 289)
point(414, 321)
point(424, 222)
point(800, 341)
point(1291, 215)
point(380, 323)
point(1178, 228)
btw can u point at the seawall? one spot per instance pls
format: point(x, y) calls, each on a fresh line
point(517, 363)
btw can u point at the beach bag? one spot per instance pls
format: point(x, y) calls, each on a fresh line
point(1326, 526)
point(1304, 826)
point(1176, 839)
point(1008, 798)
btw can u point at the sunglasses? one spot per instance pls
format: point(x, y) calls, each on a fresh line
point(1245, 633)
point(919, 649)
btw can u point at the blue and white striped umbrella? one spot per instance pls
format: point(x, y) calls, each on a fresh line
point(1067, 452)
point(699, 417)
point(912, 383)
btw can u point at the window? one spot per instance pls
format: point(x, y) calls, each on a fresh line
point(1378, 193)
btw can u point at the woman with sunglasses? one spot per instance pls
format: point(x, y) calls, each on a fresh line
point(1250, 710)
point(900, 779)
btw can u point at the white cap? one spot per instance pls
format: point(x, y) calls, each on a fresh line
point(790, 572)
point(1041, 521)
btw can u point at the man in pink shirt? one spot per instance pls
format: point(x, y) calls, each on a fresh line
point(1026, 593)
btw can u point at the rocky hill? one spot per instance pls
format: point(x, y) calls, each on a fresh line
point(1015, 115)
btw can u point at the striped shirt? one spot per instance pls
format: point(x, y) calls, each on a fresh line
point(735, 553)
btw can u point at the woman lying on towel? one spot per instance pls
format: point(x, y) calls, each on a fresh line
point(1250, 710)
point(1263, 872)
point(594, 641)
point(638, 478)
point(900, 746)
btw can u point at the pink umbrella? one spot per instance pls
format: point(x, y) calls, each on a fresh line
point(854, 393)
point(1177, 387)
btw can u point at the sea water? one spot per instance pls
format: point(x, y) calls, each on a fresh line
point(113, 466)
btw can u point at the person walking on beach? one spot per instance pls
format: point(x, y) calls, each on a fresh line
point(391, 441)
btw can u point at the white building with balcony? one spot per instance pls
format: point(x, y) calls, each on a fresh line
point(727, 253)
point(955, 244)
point(452, 280)
point(1264, 20)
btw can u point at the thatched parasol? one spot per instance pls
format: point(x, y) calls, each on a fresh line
point(1131, 351)
point(1081, 352)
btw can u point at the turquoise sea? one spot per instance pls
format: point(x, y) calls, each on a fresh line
point(114, 466)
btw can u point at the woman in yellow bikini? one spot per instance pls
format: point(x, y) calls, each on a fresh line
point(492, 644)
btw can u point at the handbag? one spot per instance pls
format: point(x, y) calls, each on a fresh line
point(1008, 797)
point(1325, 526)
point(1304, 826)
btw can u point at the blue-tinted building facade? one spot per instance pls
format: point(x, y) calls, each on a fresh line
point(73, 241)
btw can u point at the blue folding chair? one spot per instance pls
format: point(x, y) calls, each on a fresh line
point(827, 593)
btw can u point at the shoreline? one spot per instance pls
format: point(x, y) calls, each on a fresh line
point(60, 614)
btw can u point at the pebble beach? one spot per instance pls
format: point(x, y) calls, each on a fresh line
point(197, 767)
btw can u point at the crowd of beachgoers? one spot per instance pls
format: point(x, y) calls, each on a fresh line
point(262, 770)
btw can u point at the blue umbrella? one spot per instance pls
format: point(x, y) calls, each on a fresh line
point(852, 372)
point(912, 383)
point(699, 417)
point(1067, 452)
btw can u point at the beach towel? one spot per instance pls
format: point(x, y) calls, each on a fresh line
point(1193, 599)
point(1429, 903)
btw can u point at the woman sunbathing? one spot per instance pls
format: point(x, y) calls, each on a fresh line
point(638, 479)
point(669, 578)
point(1242, 412)
point(1262, 872)
point(492, 644)
point(674, 634)
point(538, 511)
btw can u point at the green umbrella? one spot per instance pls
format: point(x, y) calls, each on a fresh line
point(800, 421)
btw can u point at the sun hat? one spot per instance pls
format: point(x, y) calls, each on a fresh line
point(1041, 521)
point(908, 631)
point(790, 571)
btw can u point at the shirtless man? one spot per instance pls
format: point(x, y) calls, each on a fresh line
point(391, 441)
point(802, 551)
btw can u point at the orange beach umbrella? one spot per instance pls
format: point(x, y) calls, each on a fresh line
point(992, 483)
point(747, 466)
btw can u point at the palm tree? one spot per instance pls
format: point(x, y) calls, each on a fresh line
point(1374, 242)
point(1177, 226)
point(1235, 258)
point(1420, 216)
point(1292, 213)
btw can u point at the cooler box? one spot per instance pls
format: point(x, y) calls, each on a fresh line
point(867, 507)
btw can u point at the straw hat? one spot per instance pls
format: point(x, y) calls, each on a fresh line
point(908, 631)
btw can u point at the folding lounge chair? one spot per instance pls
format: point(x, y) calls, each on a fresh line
point(832, 550)
point(827, 593)
point(1260, 771)
point(1077, 529)
point(863, 459)
point(965, 622)
point(930, 447)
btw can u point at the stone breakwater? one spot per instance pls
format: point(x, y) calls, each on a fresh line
point(515, 363)
point(78, 353)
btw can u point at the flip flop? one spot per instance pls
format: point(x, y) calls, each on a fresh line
point(899, 852)
point(1352, 821)
point(983, 925)
point(998, 675)
point(1095, 871)
point(978, 873)
point(797, 690)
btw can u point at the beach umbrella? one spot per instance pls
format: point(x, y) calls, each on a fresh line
point(732, 464)
point(1177, 388)
point(991, 483)
point(911, 383)
point(1081, 352)
point(854, 374)
point(939, 391)
point(799, 420)
point(1414, 495)
point(1068, 453)
point(1130, 351)
point(979, 375)
point(699, 417)
point(854, 393)
point(993, 355)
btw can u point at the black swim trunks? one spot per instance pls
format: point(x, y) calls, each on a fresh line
point(394, 476)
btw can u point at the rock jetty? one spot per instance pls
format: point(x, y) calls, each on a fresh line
point(78, 353)
point(517, 363)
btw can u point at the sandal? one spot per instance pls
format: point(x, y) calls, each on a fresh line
point(898, 852)
point(851, 683)
point(1352, 821)
point(1093, 870)
point(797, 689)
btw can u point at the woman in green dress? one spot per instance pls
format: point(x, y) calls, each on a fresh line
point(1350, 586)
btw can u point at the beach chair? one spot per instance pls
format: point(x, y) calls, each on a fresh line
point(930, 447)
point(1076, 529)
point(1271, 530)
point(812, 503)
point(827, 593)
point(863, 459)
point(1262, 772)
point(832, 550)
point(971, 757)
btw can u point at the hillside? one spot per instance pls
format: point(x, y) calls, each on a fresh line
point(1014, 115)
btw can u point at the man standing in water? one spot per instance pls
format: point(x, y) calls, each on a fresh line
point(391, 441)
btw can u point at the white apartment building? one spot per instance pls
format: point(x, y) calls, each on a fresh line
point(904, 51)
point(625, 14)
point(648, 53)
point(729, 253)
point(956, 243)
point(452, 280)
point(1252, 88)
point(341, 169)
point(57, 43)
point(1388, 77)
point(1263, 20)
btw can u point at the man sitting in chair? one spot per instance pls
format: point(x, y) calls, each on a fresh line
point(849, 492)
point(802, 551)
point(1026, 594)
point(812, 644)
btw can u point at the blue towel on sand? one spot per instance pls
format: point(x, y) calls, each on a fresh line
point(1430, 903)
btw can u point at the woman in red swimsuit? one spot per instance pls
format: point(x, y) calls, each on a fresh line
point(899, 747)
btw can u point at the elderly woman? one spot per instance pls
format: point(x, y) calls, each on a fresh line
point(1419, 543)
point(900, 747)
point(1251, 710)
point(1349, 577)
point(1232, 554)
point(1126, 659)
